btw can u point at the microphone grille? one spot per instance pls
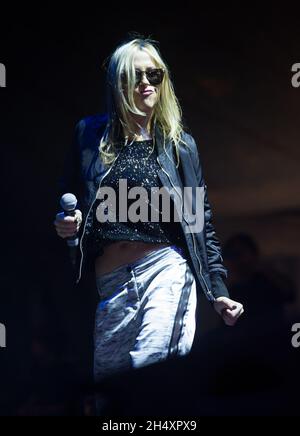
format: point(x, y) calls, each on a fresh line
point(68, 202)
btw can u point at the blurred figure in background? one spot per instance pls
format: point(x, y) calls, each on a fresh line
point(250, 281)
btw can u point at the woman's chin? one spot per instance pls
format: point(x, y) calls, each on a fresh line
point(146, 106)
point(147, 103)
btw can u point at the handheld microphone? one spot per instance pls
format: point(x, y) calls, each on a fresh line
point(68, 203)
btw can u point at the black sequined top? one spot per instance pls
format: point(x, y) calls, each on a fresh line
point(135, 167)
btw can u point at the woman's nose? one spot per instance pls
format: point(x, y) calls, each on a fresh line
point(144, 78)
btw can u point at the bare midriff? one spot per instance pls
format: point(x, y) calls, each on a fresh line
point(122, 252)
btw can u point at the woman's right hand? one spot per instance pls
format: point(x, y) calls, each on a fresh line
point(67, 226)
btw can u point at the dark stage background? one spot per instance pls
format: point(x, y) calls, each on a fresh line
point(231, 69)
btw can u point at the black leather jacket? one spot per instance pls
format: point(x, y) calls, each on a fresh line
point(83, 171)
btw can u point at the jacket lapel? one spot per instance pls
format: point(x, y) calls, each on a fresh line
point(167, 160)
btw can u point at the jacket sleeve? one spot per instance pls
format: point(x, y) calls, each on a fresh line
point(69, 179)
point(217, 270)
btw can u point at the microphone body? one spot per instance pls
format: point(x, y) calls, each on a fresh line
point(68, 203)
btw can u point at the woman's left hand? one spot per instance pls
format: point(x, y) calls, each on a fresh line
point(228, 309)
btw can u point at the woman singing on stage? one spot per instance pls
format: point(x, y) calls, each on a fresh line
point(148, 272)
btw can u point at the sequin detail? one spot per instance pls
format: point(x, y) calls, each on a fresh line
point(138, 165)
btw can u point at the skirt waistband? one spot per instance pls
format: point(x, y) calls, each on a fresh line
point(145, 261)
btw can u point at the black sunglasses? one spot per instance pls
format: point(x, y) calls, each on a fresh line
point(154, 76)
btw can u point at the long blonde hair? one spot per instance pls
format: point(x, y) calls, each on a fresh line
point(167, 113)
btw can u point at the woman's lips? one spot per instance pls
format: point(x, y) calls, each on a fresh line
point(145, 93)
